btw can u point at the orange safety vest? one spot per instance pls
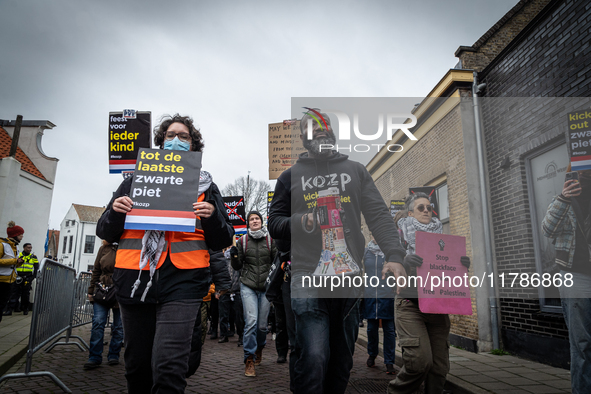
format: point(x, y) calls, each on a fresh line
point(187, 250)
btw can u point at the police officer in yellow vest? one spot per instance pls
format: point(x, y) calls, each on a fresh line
point(22, 288)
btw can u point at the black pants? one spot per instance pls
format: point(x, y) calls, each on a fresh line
point(224, 306)
point(291, 330)
point(214, 313)
point(4, 296)
point(282, 339)
point(20, 291)
point(157, 345)
point(238, 314)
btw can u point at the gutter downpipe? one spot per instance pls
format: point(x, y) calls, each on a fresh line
point(485, 213)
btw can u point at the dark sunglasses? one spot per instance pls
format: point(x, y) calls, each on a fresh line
point(422, 208)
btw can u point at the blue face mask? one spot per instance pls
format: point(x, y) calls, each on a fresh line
point(176, 144)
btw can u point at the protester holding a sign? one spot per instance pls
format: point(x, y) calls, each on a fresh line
point(423, 336)
point(160, 305)
point(568, 222)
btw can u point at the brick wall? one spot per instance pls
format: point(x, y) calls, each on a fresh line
point(552, 60)
point(439, 152)
point(479, 55)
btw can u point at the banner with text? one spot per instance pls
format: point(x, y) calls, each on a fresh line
point(236, 212)
point(396, 206)
point(285, 146)
point(269, 200)
point(165, 186)
point(126, 136)
point(445, 287)
point(579, 139)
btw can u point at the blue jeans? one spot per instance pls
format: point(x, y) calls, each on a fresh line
point(256, 312)
point(576, 306)
point(99, 319)
point(325, 341)
point(373, 339)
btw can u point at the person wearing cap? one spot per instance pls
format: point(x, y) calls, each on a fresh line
point(9, 262)
point(254, 254)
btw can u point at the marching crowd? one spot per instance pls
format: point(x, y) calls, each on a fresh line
point(163, 287)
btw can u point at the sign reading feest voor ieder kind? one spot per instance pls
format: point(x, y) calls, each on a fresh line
point(396, 206)
point(430, 191)
point(165, 186)
point(579, 139)
point(285, 146)
point(236, 212)
point(127, 136)
point(445, 287)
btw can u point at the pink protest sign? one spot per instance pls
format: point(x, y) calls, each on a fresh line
point(445, 287)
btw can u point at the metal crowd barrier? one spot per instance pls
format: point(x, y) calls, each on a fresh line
point(82, 312)
point(57, 306)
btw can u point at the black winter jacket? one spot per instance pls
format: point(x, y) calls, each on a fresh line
point(255, 264)
point(295, 195)
point(169, 283)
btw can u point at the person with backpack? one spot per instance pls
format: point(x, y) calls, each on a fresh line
point(254, 254)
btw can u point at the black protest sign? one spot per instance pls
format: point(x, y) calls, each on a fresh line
point(165, 186)
point(579, 140)
point(236, 211)
point(430, 191)
point(396, 206)
point(126, 137)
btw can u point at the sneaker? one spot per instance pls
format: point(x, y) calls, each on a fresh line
point(259, 356)
point(223, 339)
point(371, 361)
point(390, 369)
point(113, 361)
point(281, 360)
point(91, 365)
point(249, 367)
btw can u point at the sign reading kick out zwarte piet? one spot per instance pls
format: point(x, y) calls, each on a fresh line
point(165, 186)
point(579, 139)
point(128, 132)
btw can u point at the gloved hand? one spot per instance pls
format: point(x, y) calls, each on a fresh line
point(413, 260)
point(465, 260)
point(234, 252)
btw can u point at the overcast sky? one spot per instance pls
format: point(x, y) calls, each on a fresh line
point(233, 66)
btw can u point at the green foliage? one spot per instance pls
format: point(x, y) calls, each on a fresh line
point(499, 352)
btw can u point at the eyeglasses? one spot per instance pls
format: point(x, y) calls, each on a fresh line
point(422, 208)
point(182, 136)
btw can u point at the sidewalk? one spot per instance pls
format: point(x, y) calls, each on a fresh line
point(14, 339)
point(222, 371)
point(486, 373)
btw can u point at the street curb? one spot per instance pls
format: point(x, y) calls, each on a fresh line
point(456, 385)
point(14, 355)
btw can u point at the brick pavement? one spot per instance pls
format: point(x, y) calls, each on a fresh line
point(221, 371)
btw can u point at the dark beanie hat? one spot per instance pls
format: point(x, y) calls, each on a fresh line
point(13, 230)
point(253, 213)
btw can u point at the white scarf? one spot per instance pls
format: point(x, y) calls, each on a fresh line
point(260, 233)
point(154, 241)
point(410, 225)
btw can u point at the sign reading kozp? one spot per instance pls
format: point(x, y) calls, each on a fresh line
point(165, 186)
point(445, 287)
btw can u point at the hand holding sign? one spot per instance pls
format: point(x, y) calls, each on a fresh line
point(203, 209)
point(122, 204)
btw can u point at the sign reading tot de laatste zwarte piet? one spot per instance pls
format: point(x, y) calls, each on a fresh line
point(165, 186)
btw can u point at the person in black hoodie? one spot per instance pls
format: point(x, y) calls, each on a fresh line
point(161, 277)
point(327, 322)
